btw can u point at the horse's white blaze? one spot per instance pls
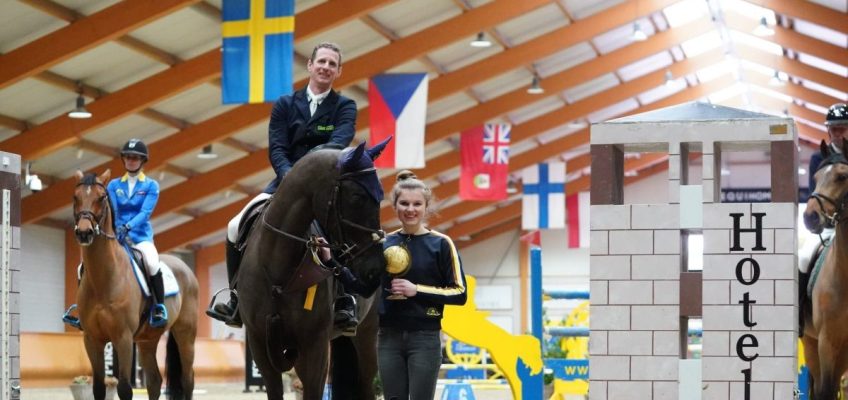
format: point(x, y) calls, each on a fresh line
point(88, 190)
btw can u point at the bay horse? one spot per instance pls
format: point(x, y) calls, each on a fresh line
point(825, 334)
point(112, 308)
point(288, 324)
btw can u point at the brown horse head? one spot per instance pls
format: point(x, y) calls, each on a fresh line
point(92, 212)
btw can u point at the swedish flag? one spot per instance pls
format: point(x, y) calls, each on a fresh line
point(258, 38)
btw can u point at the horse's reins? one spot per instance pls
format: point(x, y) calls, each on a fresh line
point(345, 249)
point(89, 215)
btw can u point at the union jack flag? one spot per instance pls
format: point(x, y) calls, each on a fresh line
point(496, 143)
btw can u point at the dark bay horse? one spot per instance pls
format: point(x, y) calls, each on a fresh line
point(111, 306)
point(825, 335)
point(292, 328)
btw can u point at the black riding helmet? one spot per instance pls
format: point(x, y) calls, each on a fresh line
point(137, 147)
point(837, 114)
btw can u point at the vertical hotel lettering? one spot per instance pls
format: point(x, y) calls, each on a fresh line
point(750, 265)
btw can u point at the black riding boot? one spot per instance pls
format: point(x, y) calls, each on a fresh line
point(159, 314)
point(228, 312)
point(345, 314)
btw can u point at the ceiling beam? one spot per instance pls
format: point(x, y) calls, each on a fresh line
point(504, 227)
point(808, 11)
point(791, 39)
point(64, 131)
point(41, 204)
point(185, 233)
point(532, 50)
point(791, 67)
point(331, 14)
point(585, 72)
point(82, 35)
point(422, 42)
point(206, 184)
point(794, 90)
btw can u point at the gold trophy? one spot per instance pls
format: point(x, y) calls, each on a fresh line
point(398, 261)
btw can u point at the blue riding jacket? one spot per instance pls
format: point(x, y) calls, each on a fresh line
point(134, 210)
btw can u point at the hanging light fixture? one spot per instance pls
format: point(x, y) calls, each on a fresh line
point(669, 78)
point(207, 153)
point(481, 41)
point(763, 29)
point(79, 111)
point(775, 79)
point(535, 86)
point(511, 186)
point(638, 34)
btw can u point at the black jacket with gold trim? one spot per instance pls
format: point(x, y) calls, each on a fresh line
point(436, 270)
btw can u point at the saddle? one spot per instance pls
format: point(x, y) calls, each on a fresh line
point(247, 222)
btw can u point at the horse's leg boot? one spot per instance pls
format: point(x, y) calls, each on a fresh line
point(345, 315)
point(228, 312)
point(159, 316)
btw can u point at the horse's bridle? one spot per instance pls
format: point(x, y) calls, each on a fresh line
point(833, 219)
point(346, 251)
point(89, 215)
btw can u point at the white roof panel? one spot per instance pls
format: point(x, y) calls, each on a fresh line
point(21, 24)
point(405, 17)
point(185, 32)
point(565, 59)
point(532, 24)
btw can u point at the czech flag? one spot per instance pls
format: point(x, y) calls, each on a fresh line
point(399, 108)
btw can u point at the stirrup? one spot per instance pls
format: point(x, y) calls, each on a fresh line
point(232, 320)
point(158, 321)
point(70, 319)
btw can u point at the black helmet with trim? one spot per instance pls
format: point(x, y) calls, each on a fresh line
point(136, 147)
point(837, 114)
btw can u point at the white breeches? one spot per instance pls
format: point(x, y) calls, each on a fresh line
point(808, 250)
point(151, 256)
point(148, 251)
point(233, 225)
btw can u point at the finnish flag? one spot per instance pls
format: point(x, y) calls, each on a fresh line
point(543, 203)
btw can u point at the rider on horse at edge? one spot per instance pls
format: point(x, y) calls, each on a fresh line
point(133, 197)
point(309, 119)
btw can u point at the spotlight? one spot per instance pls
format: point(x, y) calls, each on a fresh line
point(481, 41)
point(79, 111)
point(206, 153)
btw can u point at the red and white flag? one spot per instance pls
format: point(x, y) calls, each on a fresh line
point(484, 167)
point(577, 219)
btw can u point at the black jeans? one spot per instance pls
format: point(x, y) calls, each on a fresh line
point(409, 363)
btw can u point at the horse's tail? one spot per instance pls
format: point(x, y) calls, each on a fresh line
point(173, 368)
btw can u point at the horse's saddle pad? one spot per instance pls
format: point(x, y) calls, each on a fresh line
point(169, 281)
point(819, 262)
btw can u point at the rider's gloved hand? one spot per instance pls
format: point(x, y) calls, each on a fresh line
point(121, 232)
